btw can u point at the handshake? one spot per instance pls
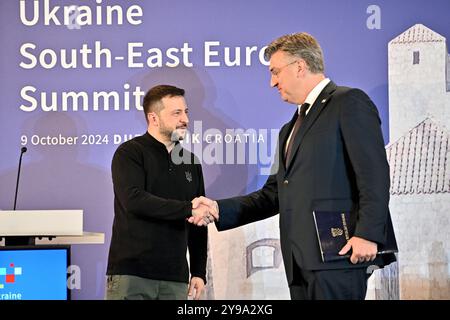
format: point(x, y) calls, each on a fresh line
point(204, 211)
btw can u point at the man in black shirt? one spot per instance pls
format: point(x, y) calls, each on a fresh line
point(152, 201)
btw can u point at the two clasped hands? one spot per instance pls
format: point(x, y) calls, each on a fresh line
point(204, 211)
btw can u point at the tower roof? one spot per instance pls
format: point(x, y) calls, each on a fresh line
point(418, 33)
point(420, 160)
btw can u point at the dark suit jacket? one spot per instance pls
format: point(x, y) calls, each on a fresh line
point(338, 163)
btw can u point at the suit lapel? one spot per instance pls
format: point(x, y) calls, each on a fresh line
point(311, 117)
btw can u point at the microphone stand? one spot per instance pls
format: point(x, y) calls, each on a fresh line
point(22, 151)
point(19, 240)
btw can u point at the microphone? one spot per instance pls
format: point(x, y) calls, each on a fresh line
point(22, 151)
point(19, 240)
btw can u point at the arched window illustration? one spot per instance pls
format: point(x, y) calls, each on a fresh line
point(263, 254)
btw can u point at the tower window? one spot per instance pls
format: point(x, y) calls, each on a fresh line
point(416, 57)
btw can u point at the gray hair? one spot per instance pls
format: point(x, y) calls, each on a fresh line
point(301, 45)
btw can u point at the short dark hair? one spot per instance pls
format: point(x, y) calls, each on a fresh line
point(152, 99)
point(302, 45)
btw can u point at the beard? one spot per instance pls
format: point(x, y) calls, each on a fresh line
point(174, 135)
point(178, 134)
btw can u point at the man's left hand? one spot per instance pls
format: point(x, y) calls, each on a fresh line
point(196, 287)
point(362, 250)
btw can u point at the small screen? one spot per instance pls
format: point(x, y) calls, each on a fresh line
point(34, 273)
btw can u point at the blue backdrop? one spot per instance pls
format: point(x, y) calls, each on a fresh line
point(354, 35)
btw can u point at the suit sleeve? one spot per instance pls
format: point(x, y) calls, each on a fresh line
point(259, 205)
point(363, 139)
point(198, 240)
point(129, 187)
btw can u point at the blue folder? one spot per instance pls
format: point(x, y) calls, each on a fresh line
point(334, 229)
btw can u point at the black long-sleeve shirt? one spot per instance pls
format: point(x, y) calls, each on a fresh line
point(152, 199)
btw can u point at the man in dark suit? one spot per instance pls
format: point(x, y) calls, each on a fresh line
point(331, 158)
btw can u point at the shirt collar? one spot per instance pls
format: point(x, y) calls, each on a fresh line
point(154, 142)
point(312, 96)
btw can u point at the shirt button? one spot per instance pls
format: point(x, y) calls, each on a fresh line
point(285, 181)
